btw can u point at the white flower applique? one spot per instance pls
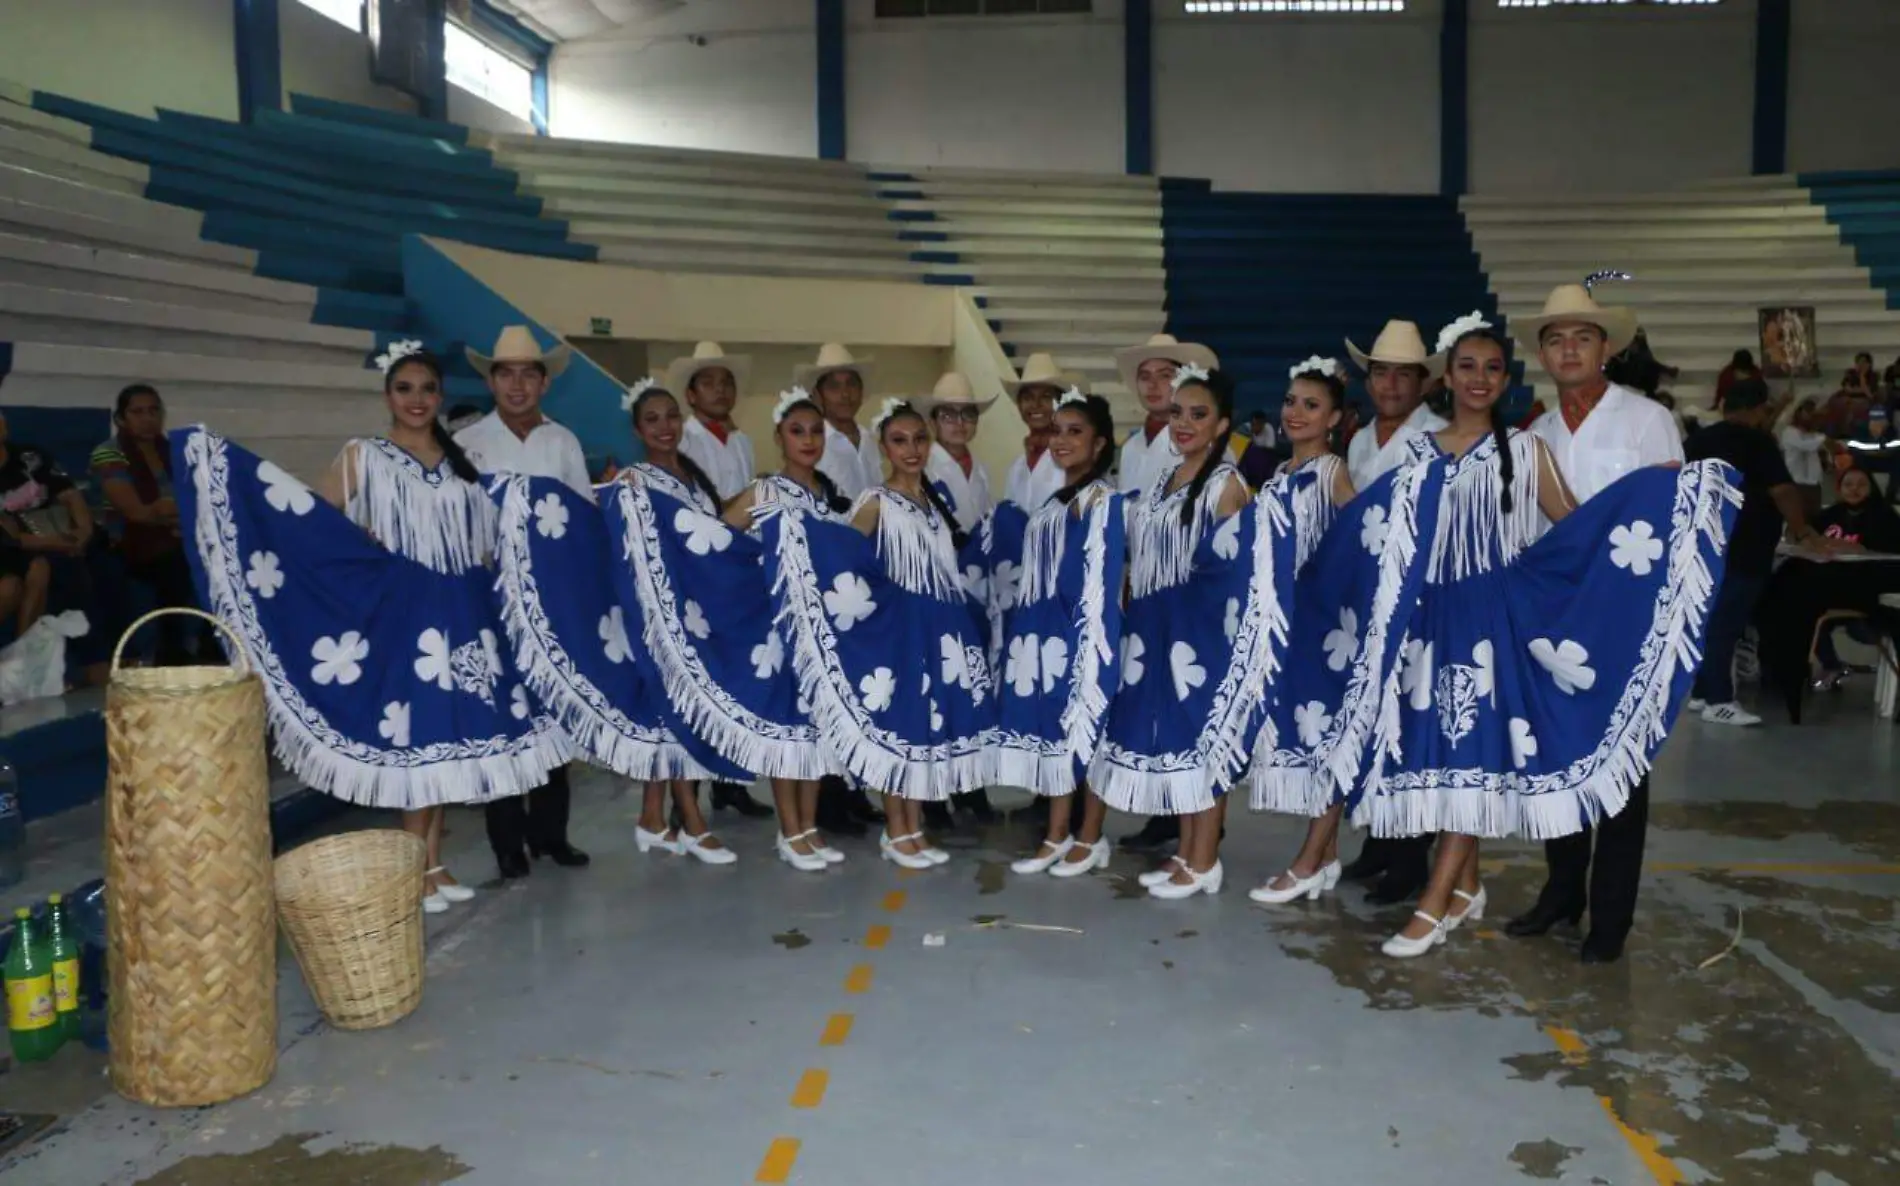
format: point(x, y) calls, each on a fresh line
point(1231, 623)
point(264, 575)
point(432, 659)
point(550, 516)
point(1188, 674)
point(1523, 742)
point(1227, 538)
point(956, 663)
point(768, 656)
point(1568, 663)
point(849, 601)
point(1342, 642)
point(613, 636)
point(518, 706)
point(394, 727)
point(283, 492)
point(1634, 546)
point(1019, 670)
point(975, 583)
point(1373, 530)
point(339, 660)
point(694, 619)
point(877, 689)
point(1133, 649)
point(1415, 674)
point(1312, 720)
point(1055, 662)
point(702, 533)
point(1003, 583)
point(1484, 669)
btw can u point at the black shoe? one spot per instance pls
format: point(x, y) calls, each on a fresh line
point(862, 809)
point(937, 817)
point(1540, 918)
point(840, 824)
point(977, 803)
point(1155, 835)
point(513, 864)
point(1601, 949)
point(563, 854)
point(726, 794)
point(1398, 885)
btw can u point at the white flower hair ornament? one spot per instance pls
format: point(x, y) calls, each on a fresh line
point(1315, 366)
point(1188, 373)
point(787, 400)
point(1469, 323)
point(1072, 396)
point(891, 407)
point(391, 358)
point(634, 393)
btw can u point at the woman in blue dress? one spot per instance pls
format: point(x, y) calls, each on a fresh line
point(1317, 484)
point(1548, 648)
point(1199, 637)
point(887, 642)
point(1059, 635)
point(365, 607)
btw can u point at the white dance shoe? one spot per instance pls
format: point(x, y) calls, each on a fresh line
point(1154, 877)
point(1399, 947)
point(645, 841)
point(1473, 912)
point(1048, 854)
point(695, 847)
point(804, 862)
point(447, 892)
point(937, 856)
point(887, 848)
point(435, 904)
point(828, 854)
point(1097, 859)
point(1296, 887)
point(1201, 883)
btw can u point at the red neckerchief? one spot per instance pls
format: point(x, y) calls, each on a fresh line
point(1153, 427)
point(966, 463)
point(719, 431)
point(1035, 445)
point(1577, 405)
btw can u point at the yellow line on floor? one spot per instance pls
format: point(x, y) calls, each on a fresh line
point(894, 901)
point(1577, 1053)
point(810, 1091)
point(837, 1029)
point(859, 980)
point(780, 1157)
point(877, 937)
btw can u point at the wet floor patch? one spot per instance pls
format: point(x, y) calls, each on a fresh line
point(792, 940)
point(1542, 1159)
point(1873, 828)
point(1843, 940)
point(1730, 1070)
point(991, 877)
point(288, 1162)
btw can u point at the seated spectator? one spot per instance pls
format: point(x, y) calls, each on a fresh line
point(1741, 366)
point(48, 539)
point(1860, 381)
point(1875, 448)
point(1260, 431)
point(133, 473)
point(1892, 378)
point(1803, 446)
point(1859, 522)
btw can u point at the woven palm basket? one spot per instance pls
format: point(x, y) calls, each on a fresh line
point(352, 907)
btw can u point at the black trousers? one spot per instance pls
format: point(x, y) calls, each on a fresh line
point(1605, 879)
point(537, 819)
point(1409, 854)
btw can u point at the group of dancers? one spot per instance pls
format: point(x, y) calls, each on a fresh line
point(1488, 638)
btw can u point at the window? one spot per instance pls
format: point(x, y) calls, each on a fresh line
point(481, 69)
point(348, 13)
point(979, 7)
point(1602, 3)
point(1209, 7)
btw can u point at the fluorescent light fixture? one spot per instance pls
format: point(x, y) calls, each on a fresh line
point(1214, 7)
point(1606, 3)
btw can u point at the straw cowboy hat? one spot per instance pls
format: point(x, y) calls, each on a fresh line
point(1041, 371)
point(705, 357)
point(832, 357)
point(952, 391)
point(1398, 344)
point(517, 344)
point(1128, 360)
point(1573, 303)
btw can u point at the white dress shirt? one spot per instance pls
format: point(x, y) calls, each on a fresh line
point(1801, 449)
point(1142, 461)
point(968, 496)
point(1028, 488)
point(1367, 460)
point(548, 451)
point(1625, 431)
point(853, 469)
point(728, 463)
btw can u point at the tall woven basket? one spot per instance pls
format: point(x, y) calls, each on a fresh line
point(352, 907)
point(191, 953)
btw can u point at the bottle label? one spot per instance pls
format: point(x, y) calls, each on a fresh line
point(30, 1003)
point(66, 985)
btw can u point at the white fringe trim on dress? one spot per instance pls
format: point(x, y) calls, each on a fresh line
point(1160, 548)
point(769, 748)
point(1470, 511)
point(877, 758)
point(434, 518)
point(601, 730)
point(915, 546)
point(1597, 786)
point(469, 771)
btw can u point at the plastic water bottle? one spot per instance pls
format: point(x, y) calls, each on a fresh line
point(12, 829)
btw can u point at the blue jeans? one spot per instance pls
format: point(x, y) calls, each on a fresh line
point(1728, 618)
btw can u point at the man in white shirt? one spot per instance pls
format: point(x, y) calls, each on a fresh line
point(1035, 476)
point(709, 381)
point(1148, 371)
point(953, 471)
point(836, 379)
point(1598, 432)
point(517, 438)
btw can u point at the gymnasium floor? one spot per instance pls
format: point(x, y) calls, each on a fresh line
point(646, 1020)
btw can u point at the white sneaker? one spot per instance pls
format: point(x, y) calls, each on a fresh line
point(1694, 704)
point(1097, 859)
point(1729, 714)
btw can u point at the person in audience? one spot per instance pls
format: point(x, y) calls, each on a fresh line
point(1859, 522)
point(953, 471)
point(1876, 449)
point(836, 380)
point(49, 533)
point(1741, 366)
point(1860, 381)
point(1891, 377)
point(711, 380)
point(1035, 475)
point(518, 438)
point(1397, 369)
point(1638, 368)
point(1148, 371)
point(132, 471)
point(1803, 446)
point(1769, 499)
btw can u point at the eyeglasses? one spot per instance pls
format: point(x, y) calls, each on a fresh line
point(967, 415)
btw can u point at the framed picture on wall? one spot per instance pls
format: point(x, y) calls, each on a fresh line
point(1789, 349)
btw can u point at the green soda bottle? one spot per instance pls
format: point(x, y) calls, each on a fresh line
point(63, 952)
point(32, 1018)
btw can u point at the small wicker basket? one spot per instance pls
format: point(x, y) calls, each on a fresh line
point(191, 952)
point(352, 908)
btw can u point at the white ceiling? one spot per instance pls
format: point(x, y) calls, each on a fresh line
point(569, 20)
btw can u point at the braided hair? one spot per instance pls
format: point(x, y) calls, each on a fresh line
point(694, 474)
point(1221, 386)
point(834, 500)
point(958, 536)
point(459, 464)
point(1096, 411)
point(1500, 431)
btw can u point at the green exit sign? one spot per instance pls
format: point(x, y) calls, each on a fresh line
point(602, 326)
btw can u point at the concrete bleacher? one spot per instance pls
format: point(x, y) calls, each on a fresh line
point(1705, 260)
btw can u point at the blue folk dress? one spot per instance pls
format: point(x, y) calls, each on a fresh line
point(1541, 667)
point(888, 643)
point(373, 628)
